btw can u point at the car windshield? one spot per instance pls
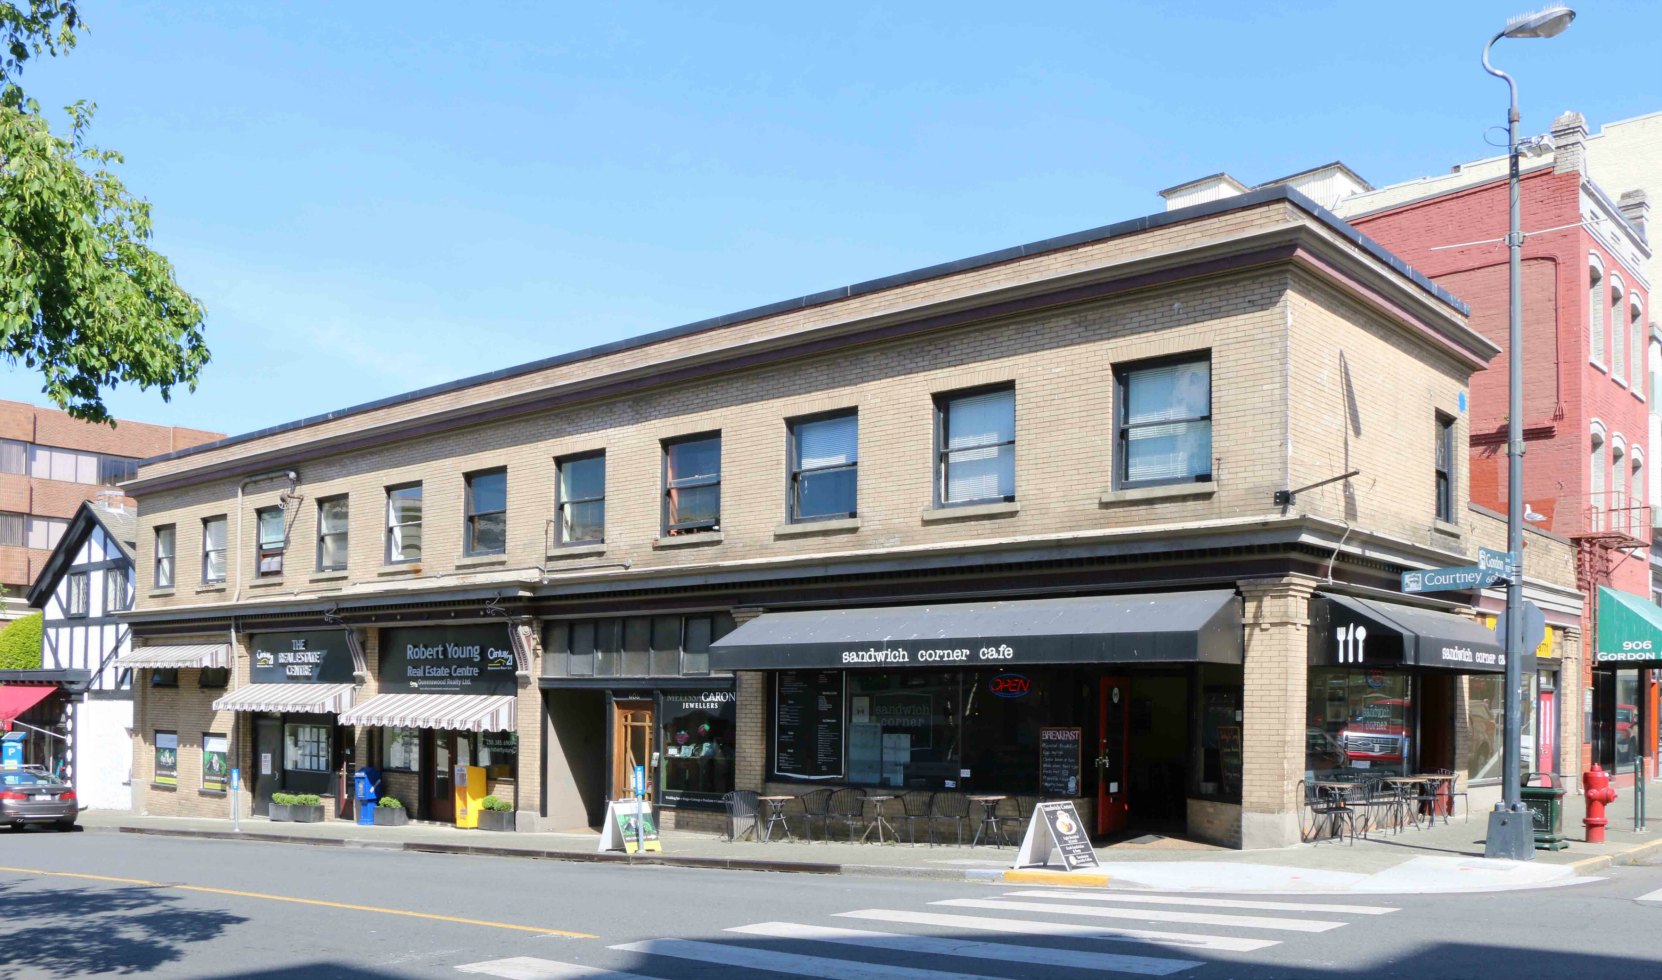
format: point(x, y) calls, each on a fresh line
point(26, 779)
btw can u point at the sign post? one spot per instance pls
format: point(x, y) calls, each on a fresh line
point(640, 794)
point(236, 809)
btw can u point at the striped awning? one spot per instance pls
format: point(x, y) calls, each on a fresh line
point(300, 698)
point(190, 655)
point(461, 712)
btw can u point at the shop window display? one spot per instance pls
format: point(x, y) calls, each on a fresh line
point(1359, 721)
point(698, 746)
point(1486, 726)
point(401, 749)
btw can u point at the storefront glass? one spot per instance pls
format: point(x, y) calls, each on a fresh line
point(1615, 726)
point(306, 748)
point(698, 747)
point(401, 749)
point(1359, 720)
point(1486, 726)
point(498, 754)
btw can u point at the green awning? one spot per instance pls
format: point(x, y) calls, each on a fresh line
point(1630, 631)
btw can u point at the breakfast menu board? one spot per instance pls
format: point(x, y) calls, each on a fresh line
point(808, 724)
point(1059, 761)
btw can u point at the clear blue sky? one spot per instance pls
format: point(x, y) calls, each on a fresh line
point(372, 197)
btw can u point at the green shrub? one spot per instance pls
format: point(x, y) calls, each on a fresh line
point(282, 799)
point(295, 799)
point(20, 644)
point(496, 803)
point(391, 802)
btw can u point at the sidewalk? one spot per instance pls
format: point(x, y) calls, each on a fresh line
point(1444, 858)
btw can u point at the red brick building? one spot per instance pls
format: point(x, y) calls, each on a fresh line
point(49, 464)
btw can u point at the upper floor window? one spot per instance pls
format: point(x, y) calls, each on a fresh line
point(14, 456)
point(44, 532)
point(332, 515)
point(404, 523)
point(117, 595)
point(487, 513)
point(825, 458)
point(581, 499)
point(692, 485)
point(11, 530)
point(164, 557)
point(213, 549)
point(1618, 330)
point(72, 466)
point(1595, 311)
point(1165, 422)
point(1636, 326)
point(76, 604)
point(976, 446)
point(1445, 467)
point(272, 533)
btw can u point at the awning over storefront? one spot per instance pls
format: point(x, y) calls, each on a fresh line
point(188, 656)
point(1171, 627)
point(1349, 632)
point(298, 698)
point(460, 712)
point(18, 698)
point(1630, 631)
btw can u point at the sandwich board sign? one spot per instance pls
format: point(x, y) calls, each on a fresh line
point(1055, 826)
point(629, 828)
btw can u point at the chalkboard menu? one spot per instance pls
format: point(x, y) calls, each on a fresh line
point(808, 724)
point(1059, 761)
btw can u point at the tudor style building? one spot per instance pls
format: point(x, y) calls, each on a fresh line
point(1147, 489)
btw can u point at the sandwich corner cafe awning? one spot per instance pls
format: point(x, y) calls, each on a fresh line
point(18, 698)
point(1630, 631)
point(301, 698)
point(1170, 627)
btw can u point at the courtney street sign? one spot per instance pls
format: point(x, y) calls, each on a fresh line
point(1491, 567)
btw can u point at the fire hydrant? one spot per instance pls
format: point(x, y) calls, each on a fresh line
point(1596, 784)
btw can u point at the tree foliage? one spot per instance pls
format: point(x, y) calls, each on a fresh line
point(84, 300)
point(20, 644)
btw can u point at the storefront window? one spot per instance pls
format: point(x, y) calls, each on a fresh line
point(167, 758)
point(498, 754)
point(1627, 719)
point(401, 749)
point(698, 747)
point(1485, 726)
point(306, 748)
point(1003, 715)
point(1359, 721)
point(902, 726)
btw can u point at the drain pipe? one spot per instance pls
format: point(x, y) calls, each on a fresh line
point(236, 554)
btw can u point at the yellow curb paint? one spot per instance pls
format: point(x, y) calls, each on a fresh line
point(305, 901)
point(1054, 878)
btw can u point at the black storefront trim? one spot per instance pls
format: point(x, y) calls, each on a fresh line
point(1174, 627)
point(719, 682)
point(1349, 632)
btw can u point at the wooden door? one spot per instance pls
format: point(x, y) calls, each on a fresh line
point(438, 779)
point(1114, 744)
point(632, 746)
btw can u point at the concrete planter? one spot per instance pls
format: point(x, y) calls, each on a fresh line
point(391, 816)
point(306, 814)
point(498, 820)
point(280, 812)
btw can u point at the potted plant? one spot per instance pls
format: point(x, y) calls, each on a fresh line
point(496, 814)
point(281, 807)
point(306, 808)
point(390, 812)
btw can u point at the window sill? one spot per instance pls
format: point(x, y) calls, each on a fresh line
point(841, 525)
point(266, 583)
point(170, 787)
point(1444, 527)
point(159, 594)
point(578, 551)
point(1164, 492)
point(1619, 380)
point(970, 512)
point(481, 561)
point(688, 540)
point(1601, 367)
point(334, 575)
point(216, 793)
point(408, 568)
point(210, 588)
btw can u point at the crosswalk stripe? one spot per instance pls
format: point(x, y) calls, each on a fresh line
point(536, 968)
point(1154, 966)
point(1216, 903)
point(750, 958)
point(1034, 927)
point(1655, 896)
point(1150, 915)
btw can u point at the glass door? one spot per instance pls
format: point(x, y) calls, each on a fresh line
point(441, 787)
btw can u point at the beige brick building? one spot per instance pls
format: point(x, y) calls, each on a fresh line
point(904, 534)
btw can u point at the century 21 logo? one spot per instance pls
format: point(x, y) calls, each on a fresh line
point(1351, 638)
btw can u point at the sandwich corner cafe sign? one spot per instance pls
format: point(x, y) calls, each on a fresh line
point(1630, 630)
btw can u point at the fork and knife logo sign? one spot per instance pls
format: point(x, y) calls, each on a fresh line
point(1352, 639)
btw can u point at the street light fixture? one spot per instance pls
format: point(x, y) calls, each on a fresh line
point(1511, 829)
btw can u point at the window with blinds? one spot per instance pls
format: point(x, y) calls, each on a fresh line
point(976, 460)
point(825, 458)
point(1165, 422)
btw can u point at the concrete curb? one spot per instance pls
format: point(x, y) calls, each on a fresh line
point(1633, 855)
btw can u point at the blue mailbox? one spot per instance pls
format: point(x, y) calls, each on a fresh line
point(366, 784)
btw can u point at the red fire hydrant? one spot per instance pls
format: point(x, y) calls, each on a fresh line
point(1596, 784)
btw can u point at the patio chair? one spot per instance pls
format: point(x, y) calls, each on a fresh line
point(1447, 789)
point(1383, 806)
point(1013, 814)
point(1339, 816)
point(915, 806)
point(848, 805)
point(816, 805)
point(742, 805)
point(949, 806)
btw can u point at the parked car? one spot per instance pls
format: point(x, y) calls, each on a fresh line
point(28, 796)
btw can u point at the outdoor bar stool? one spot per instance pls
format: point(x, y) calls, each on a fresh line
point(915, 806)
point(742, 805)
point(949, 806)
point(816, 805)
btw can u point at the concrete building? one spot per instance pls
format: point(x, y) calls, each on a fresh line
point(1119, 516)
point(51, 463)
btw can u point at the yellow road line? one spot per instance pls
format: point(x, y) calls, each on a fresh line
point(305, 901)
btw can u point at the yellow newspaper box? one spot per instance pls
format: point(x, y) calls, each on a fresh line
point(469, 783)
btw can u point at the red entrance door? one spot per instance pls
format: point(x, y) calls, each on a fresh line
point(1546, 713)
point(1112, 807)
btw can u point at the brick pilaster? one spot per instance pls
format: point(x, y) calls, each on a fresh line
point(1277, 625)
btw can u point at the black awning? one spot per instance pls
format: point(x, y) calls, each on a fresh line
point(1349, 632)
point(1177, 627)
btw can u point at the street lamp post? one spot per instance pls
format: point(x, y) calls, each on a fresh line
point(1511, 830)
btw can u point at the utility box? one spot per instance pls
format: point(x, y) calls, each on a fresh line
point(1543, 794)
point(366, 785)
point(469, 782)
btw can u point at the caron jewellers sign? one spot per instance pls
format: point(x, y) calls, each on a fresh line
point(306, 657)
point(447, 660)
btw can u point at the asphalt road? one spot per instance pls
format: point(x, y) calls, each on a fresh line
point(100, 904)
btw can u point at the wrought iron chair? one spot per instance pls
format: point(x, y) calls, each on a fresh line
point(848, 805)
point(743, 805)
point(949, 806)
point(816, 805)
point(1441, 794)
point(1332, 808)
point(915, 806)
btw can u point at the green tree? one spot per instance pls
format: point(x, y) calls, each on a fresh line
point(20, 644)
point(83, 299)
